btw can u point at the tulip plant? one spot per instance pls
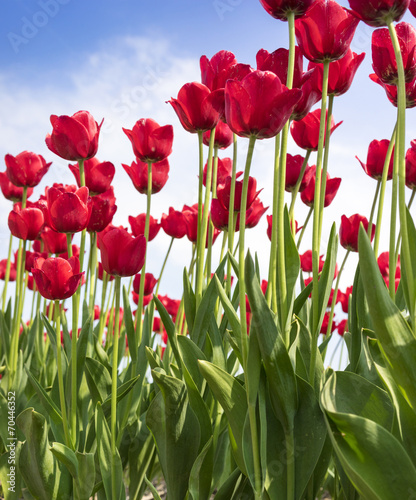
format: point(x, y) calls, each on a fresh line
point(228, 389)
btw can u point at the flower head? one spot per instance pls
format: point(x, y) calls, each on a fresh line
point(378, 12)
point(57, 278)
point(150, 141)
point(98, 175)
point(26, 169)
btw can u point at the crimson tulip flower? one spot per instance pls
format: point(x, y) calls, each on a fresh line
point(376, 156)
point(53, 242)
point(197, 107)
point(215, 71)
point(138, 173)
point(384, 59)
point(331, 189)
point(149, 283)
point(137, 226)
point(10, 191)
point(57, 278)
point(25, 224)
point(98, 175)
point(191, 220)
point(293, 168)
point(348, 231)
point(223, 136)
point(100, 274)
point(174, 223)
point(279, 9)
point(411, 166)
point(253, 214)
point(325, 32)
point(219, 215)
point(30, 258)
point(74, 137)
point(341, 73)
point(305, 132)
point(103, 208)
point(391, 91)
point(378, 12)
point(412, 7)
point(68, 212)
point(26, 168)
point(171, 305)
point(270, 223)
point(122, 254)
point(258, 105)
point(12, 272)
point(383, 262)
point(150, 141)
point(224, 192)
point(224, 169)
point(306, 262)
point(344, 298)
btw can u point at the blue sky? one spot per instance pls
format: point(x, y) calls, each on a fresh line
point(122, 60)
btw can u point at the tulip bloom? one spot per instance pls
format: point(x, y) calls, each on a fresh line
point(376, 157)
point(174, 224)
point(253, 214)
point(53, 241)
point(259, 105)
point(10, 191)
point(98, 175)
point(137, 226)
point(149, 283)
point(326, 31)
point(391, 91)
point(223, 136)
point(219, 215)
point(383, 262)
point(121, 253)
point(150, 141)
point(306, 262)
point(378, 12)
point(25, 224)
point(224, 169)
point(348, 231)
point(57, 278)
point(138, 173)
point(293, 168)
point(305, 132)
point(331, 189)
point(74, 137)
point(197, 107)
point(68, 212)
point(411, 166)
point(412, 7)
point(26, 169)
point(224, 192)
point(270, 223)
point(384, 59)
point(103, 208)
point(215, 71)
point(279, 9)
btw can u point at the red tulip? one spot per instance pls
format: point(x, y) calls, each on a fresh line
point(279, 9)
point(378, 12)
point(391, 91)
point(57, 278)
point(224, 169)
point(341, 73)
point(10, 191)
point(197, 107)
point(101, 273)
point(121, 253)
point(103, 208)
point(326, 31)
point(137, 226)
point(138, 173)
point(69, 212)
point(171, 305)
point(26, 169)
point(149, 283)
point(270, 223)
point(224, 192)
point(384, 59)
point(376, 156)
point(310, 96)
point(343, 298)
point(215, 71)
point(191, 219)
point(174, 224)
point(383, 262)
point(219, 215)
point(306, 262)
point(348, 231)
point(277, 62)
point(30, 258)
point(411, 166)
point(223, 136)
point(253, 214)
point(53, 241)
point(331, 189)
point(150, 141)
point(305, 132)
point(293, 168)
point(259, 105)
point(412, 7)
point(12, 272)
point(74, 137)
point(98, 175)
point(25, 224)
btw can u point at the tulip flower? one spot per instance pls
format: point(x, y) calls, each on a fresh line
point(348, 231)
point(138, 173)
point(391, 91)
point(98, 175)
point(3, 267)
point(293, 169)
point(74, 137)
point(197, 107)
point(279, 9)
point(331, 189)
point(224, 169)
point(412, 7)
point(305, 132)
point(378, 12)
point(69, 212)
point(376, 156)
point(215, 71)
point(384, 59)
point(174, 223)
point(103, 208)
point(223, 136)
point(25, 224)
point(344, 297)
point(259, 105)
point(57, 278)
point(149, 283)
point(306, 262)
point(191, 220)
point(383, 265)
point(411, 166)
point(137, 226)
point(26, 169)
point(151, 142)
point(269, 227)
point(10, 191)
point(30, 258)
point(224, 192)
point(171, 305)
point(219, 215)
point(326, 31)
point(53, 241)
point(122, 254)
point(253, 214)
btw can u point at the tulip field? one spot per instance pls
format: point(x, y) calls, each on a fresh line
point(110, 388)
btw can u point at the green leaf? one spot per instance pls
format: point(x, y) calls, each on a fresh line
point(7, 467)
point(84, 485)
point(98, 380)
point(155, 494)
point(408, 276)
point(189, 300)
point(229, 310)
point(122, 391)
point(176, 431)
point(130, 330)
point(232, 397)
point(397, 340)
point(199, 481)
point(170, 329)
point(66, 456)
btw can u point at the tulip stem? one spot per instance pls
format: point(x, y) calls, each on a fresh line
point(305, 224)
point(114, 378)
point(210, 225)
point(334, 296)
point(296, 189)
point(93, 272)
point(7, 275)
point(373, 208)
point(231, 223)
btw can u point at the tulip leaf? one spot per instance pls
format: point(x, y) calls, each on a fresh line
point(153, 490)
point(170, 329)
point(11, 493)
point(82, 346)
point(229, 309)
point(277, 363)
point(189, 300)
point(84, 486)
point(141, 454)
point(122, 390)
point(175, 428)
point(199, 480)
point(374, 460)
point(98, 380)
point(408, 276)
point(129, 325)
point(226, 490)
point(66, 456)
point(397, 340)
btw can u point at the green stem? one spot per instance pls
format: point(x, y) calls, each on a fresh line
point(231, 222)
point(7, 275)
point(334, 297)
point(295, 190)
point(373, 208)
point(93, 269)
point(210, 225)
point(305, 224)
point(290, 464)
point(199, 262)
point(114, 377)
point(393, 225)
